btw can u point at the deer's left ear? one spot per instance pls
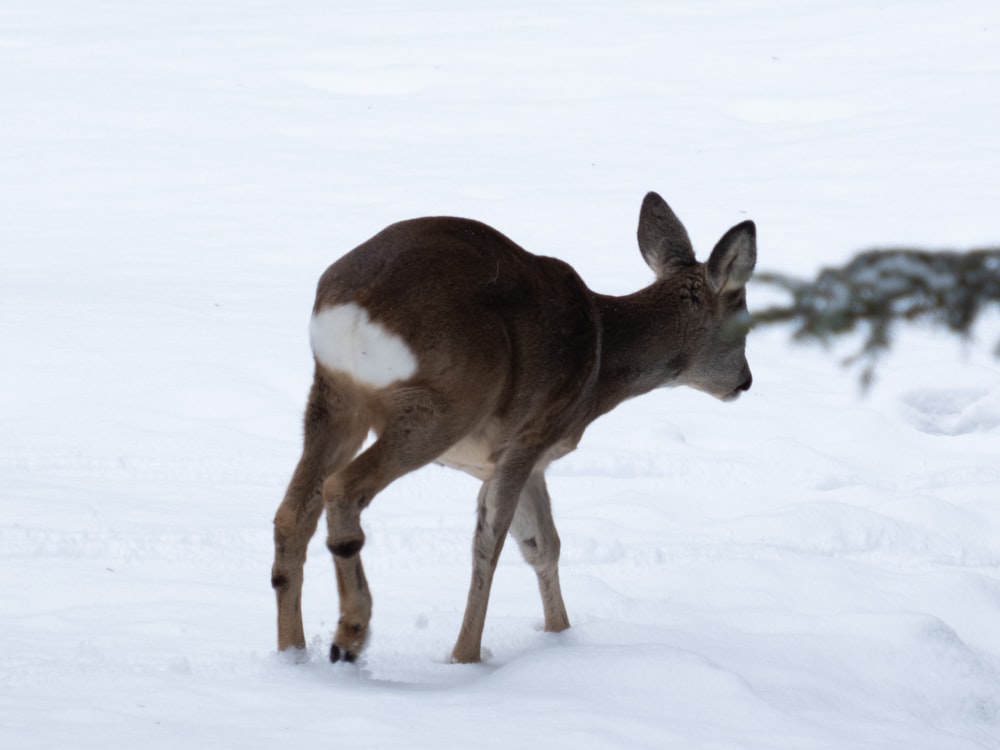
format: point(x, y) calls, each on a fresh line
point(732, 261)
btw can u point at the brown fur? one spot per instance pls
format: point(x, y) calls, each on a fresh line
point(516, 356)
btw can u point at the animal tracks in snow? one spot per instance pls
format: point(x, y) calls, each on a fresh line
point(952, 411)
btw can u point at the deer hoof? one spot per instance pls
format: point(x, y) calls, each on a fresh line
point(341, 654)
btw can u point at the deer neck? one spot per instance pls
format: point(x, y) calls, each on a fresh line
point(640, 350)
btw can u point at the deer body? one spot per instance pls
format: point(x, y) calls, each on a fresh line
point(456, 345)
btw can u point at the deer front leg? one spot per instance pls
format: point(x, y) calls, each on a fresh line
point(536, 535)
point(496, 505)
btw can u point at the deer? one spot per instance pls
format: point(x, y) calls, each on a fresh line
point(452, 344)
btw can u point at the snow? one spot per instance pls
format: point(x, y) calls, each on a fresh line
point(804, 568)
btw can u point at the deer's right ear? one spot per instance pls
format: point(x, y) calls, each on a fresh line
point(663, 240)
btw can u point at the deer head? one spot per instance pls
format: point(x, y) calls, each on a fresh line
point(708, 299)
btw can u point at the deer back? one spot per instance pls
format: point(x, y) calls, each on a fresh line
point(455, 306)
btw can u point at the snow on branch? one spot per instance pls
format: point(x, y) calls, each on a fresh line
point(879, 288)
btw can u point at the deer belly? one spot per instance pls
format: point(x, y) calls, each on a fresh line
point(473, 455)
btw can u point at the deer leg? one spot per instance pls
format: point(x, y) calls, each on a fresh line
point(334, 431)
point(496, 506)
point(536, 535)
point(418, 428)
point(344, 497)
point(294, 524)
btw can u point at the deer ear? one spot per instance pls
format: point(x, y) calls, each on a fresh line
point(663, 241)
point(733, 259)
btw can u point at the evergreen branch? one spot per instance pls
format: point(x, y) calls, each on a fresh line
point(880, 288)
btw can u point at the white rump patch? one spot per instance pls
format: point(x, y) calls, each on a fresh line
point(345, 338)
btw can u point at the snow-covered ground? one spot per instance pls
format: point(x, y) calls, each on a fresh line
point(802, 569)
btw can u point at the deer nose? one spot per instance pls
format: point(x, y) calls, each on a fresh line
point(745, 385)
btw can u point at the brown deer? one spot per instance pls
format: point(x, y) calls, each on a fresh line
point(453, 344)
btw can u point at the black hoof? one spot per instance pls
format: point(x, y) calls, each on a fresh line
point(337, 654)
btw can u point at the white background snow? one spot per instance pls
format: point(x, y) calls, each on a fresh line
point(802, 569)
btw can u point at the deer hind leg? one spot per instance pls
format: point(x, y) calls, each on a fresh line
point(418, 427)
point(335, 428)
point(536, 535)
point(497, 503)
